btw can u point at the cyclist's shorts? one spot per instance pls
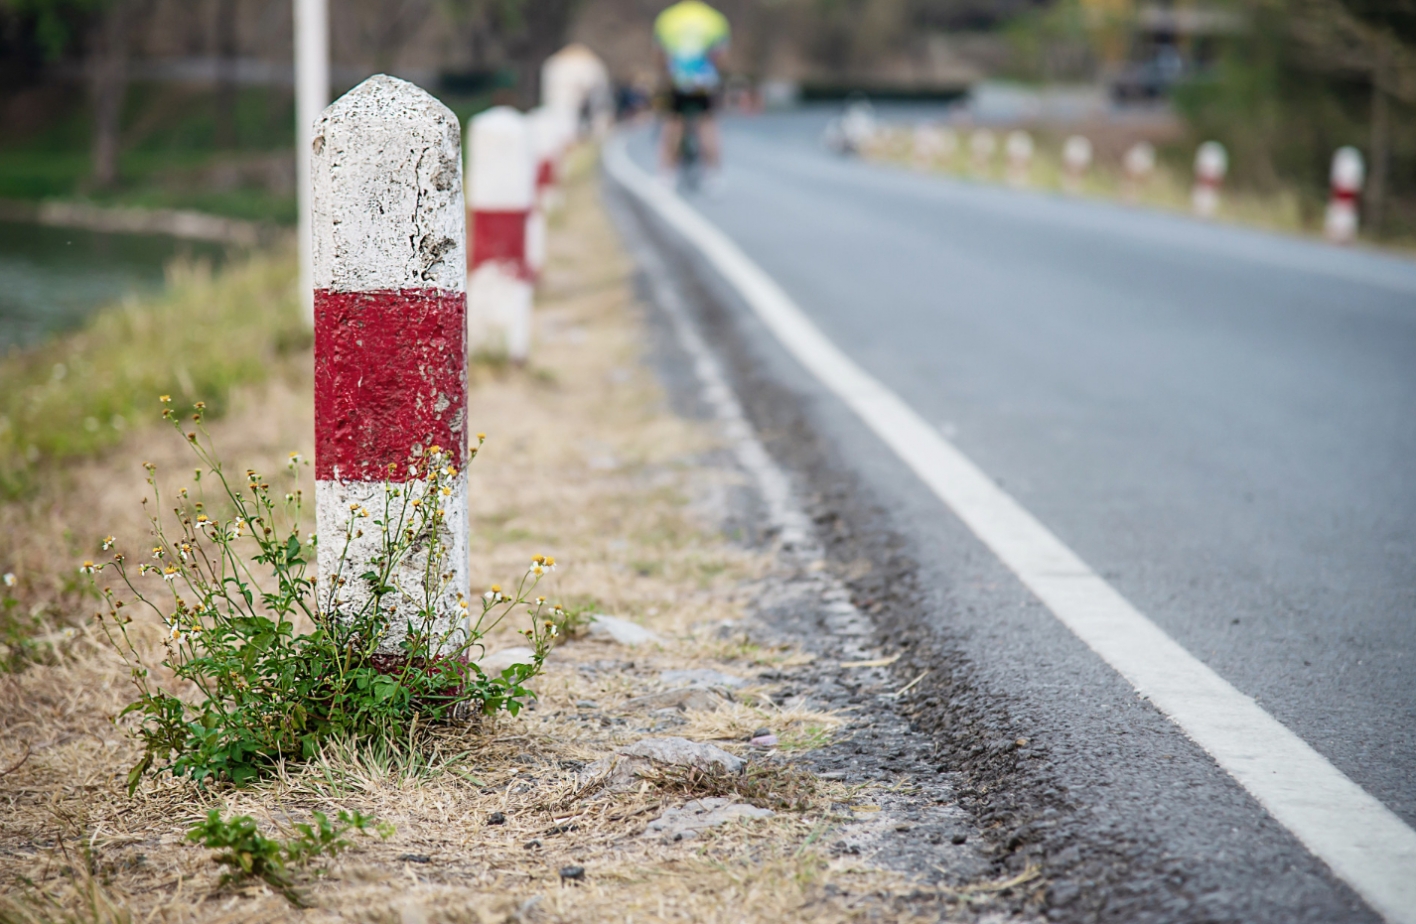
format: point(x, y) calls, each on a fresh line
point(694, 102)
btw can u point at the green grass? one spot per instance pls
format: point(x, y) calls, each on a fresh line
point(169, 138)
point(206, 334)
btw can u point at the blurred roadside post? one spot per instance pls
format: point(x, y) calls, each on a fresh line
point(931, 143)
point(1348, 172)
point(311, 98)
point(390, 346)
point(1076, 158)
point(1019, 150)
point(501, 196)
point(1138, 165)
point(1211, 164)
point(574, 80)
point(982, 144)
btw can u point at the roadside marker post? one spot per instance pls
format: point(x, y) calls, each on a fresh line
point(1348, 172)
point(1019, 150)
point(501, 195)
point(575, 80)
point(1138, 164)
point(546, 143)
point(1211, 164)
point(390, 348)
point(550, 136)
point(1076, 159)
point(932, 143)
point(982, 145)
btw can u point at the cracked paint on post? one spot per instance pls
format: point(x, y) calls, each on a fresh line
point(390, 336)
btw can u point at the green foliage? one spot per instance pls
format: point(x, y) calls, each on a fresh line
point(80, 394)
point(56, 22)
point(257, 691)
point(252, 855)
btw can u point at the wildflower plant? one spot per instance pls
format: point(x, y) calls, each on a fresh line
point(264, 669)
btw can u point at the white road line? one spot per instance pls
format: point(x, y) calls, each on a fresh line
point(1359, 838)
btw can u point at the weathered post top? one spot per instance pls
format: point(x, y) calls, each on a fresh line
point(388, 212)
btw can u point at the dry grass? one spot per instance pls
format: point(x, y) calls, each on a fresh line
point(583, 461)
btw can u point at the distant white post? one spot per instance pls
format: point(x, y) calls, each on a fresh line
point(1138, 165)
point(1211, 164)
point(982, 145)
point(1019, 150)
point(576, 81)
point(311, 97)
point(501, 189)
point(1076, 159)
point(390, 347)
point(1348, 172)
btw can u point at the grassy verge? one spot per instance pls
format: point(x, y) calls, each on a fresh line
point(68, 405)
point(491, 820)
point(1167, 188)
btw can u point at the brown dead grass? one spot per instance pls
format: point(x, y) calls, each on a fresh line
point(584, 462)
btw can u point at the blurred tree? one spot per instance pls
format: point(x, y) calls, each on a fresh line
point(101, 30)
point(519, 34)
point(226, 51)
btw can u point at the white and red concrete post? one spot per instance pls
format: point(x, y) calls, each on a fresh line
point(1348, 172)
point(390, 347)
point(1019, 150)
point(546, 143)
point(501, 189)
point(1211, 164)
point(1076, 160)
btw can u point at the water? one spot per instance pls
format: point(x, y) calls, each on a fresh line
point(52, 279)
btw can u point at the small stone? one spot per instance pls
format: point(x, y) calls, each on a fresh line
point(681, 824)
point(958, 838)
point(623, 770)
point(684, 699)
point(587, 704)
point(531, 844)
point(761, 733)
point(415, 858)
point(575, 873)
point(496, 818)
point(681, 752)
point(764, 741)
point(622, 631)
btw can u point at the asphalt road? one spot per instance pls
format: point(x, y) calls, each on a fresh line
point(1221, 422)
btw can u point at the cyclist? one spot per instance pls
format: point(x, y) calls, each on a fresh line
point(692, 39)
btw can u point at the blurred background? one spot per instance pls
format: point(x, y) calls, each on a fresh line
point(188, 104)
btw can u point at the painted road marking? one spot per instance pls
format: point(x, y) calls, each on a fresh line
point(1359, 838)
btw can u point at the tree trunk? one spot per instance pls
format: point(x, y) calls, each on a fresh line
point(226, 73)
point(109, 75)
point(1380, 155)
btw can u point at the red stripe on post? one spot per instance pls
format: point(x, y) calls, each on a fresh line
point(546, 173)
point(390, 373)
point(499, 236)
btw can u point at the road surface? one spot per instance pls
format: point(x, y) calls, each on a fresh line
point(1220, 422)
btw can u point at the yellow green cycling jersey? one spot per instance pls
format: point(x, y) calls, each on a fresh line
point(689, 32)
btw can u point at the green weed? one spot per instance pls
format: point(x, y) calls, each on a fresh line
point(378, 663)
point(252, 855)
